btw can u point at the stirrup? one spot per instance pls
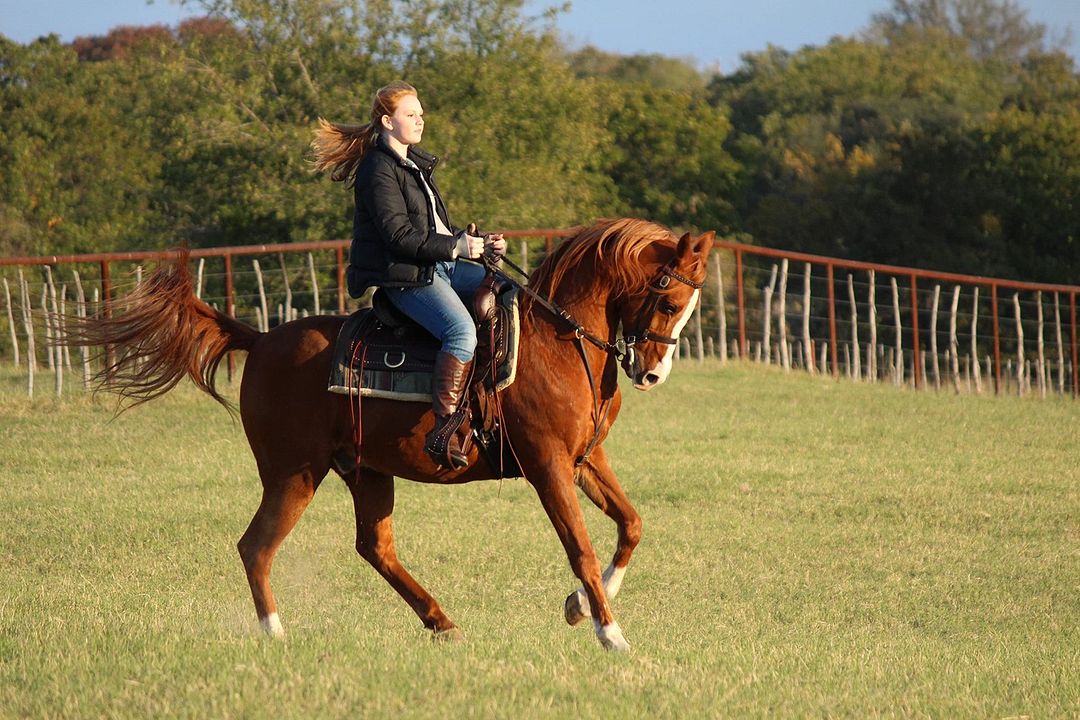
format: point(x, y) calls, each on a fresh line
point(439, 445)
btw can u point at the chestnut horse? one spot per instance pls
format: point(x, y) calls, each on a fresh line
point(627, 273)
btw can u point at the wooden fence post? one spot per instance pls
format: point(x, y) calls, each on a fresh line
point(264, 317)
point(954, 349)
point(49, 354)
point(1060, 345)
point(898, 377)
point(314, 283)
point(856, 371)
point(11, 324)
point(1019, 345)
point(807, 342)
point(721, 309)
point(28, 325)
point(199, 278)
point(52, 321)
point(977, 371)
point(81, 311)
point(288, 288)
point(63, 325)
point(766, 321)
point(785, 358)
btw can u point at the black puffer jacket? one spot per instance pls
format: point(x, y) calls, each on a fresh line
point(394, 239)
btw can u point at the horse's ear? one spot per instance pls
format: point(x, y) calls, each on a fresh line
point(695, 246)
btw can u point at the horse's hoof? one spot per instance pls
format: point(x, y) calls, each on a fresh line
point(572, 610)
point(271, 626)
point(611, 638)
point(449, 635)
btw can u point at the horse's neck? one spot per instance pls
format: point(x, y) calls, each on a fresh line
point(589, 304)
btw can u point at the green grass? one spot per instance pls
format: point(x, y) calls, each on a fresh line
point(811, 547)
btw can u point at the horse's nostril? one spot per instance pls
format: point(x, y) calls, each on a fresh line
point(651, 378)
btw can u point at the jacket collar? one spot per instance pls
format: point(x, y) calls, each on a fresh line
point(424, 160)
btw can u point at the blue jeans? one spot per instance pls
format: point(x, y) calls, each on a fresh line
point(440, 307)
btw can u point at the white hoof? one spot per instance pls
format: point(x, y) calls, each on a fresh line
point(271, 625)
point(611, 637)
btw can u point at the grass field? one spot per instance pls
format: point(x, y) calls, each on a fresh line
point(810, 548)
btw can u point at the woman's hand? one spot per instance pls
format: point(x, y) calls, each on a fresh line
point(469, 246)
point(495, 244)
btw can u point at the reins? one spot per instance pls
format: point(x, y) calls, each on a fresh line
point(623, 349)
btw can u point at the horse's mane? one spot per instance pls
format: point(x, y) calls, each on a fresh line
point(614, 247)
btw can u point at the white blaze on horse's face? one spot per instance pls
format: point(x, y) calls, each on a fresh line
point(647, 379)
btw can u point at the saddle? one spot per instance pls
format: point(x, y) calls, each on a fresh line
point(381, 352)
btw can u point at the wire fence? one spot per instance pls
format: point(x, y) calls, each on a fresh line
point(861, 321)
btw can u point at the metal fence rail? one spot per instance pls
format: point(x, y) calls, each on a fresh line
point(867, 321)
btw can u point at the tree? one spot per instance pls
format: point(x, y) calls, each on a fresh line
point(77, 172)
point(652, 70)
point(991, 29)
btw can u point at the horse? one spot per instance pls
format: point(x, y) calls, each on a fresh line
point(626, 273)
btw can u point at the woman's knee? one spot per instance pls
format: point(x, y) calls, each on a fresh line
point(460, 340)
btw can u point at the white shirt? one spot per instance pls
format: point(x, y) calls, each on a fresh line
point(440, 226)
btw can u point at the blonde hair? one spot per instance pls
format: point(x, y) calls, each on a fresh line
point(341, 148)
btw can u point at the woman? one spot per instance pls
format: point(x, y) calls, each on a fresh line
point(403, 242)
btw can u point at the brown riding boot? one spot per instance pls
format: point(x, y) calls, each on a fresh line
point(448, 402)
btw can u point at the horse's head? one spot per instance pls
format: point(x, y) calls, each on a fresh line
point(653, 318)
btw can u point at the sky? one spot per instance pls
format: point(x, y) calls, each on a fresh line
point(714, 33)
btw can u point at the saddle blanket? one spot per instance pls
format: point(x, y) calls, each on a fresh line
point(393, 358)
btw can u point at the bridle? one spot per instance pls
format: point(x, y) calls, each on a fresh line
point(660, 282)
point(624, 349)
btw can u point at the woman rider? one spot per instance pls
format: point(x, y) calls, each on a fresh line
point(403, 242)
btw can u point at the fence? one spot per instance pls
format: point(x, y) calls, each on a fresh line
point(882, 322)
point(863, 321)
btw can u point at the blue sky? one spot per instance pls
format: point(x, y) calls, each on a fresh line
point(712, 32)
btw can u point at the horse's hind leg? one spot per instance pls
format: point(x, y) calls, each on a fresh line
point(600, 485)
point(373, 498)
point(282, 504)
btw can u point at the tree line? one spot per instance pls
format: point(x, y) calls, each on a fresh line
point(946, 135)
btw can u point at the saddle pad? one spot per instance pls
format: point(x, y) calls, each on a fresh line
point(398, 362)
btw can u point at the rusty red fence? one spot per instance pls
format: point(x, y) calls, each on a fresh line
point(912, 353)
point(917, 281)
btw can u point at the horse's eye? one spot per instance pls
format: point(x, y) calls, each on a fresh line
point(668, 308)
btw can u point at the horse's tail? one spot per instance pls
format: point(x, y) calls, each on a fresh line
point(159, 333)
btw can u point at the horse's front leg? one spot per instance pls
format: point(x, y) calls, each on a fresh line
point(597, 480)
point(556, 492)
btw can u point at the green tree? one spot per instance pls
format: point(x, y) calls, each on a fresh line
point(990, 29)
point(667, 160)
point(77, 169)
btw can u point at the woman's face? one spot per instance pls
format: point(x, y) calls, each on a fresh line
point(406, 125)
